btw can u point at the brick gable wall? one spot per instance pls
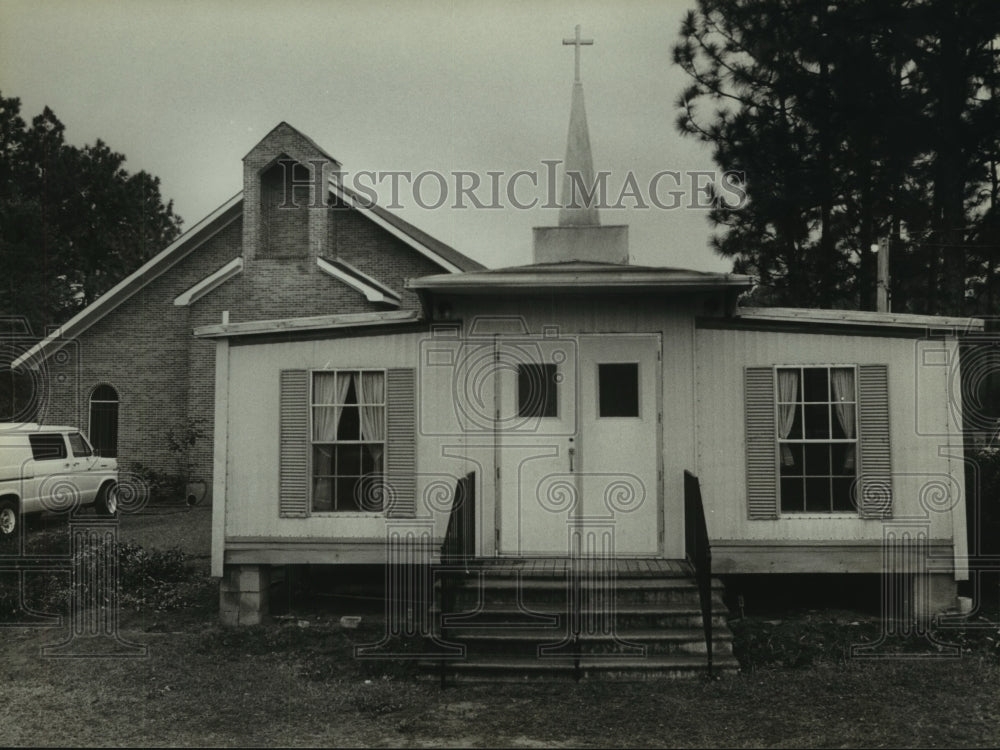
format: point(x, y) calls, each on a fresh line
point(164, 376)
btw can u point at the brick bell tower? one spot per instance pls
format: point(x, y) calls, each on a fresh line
point(286, 179)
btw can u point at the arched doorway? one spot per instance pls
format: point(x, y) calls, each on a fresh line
point(104, 420)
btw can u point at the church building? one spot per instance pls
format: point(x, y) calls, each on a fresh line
point(552, 432)
point(545, 453)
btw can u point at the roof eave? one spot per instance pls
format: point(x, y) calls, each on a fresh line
point(176, 251)
point(547, 283)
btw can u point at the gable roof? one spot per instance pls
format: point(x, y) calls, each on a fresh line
point(283, 128)
point(445, 256)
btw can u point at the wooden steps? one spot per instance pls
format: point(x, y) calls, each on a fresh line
point(549, 622)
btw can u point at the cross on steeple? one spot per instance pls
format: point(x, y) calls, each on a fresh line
point(577, 42)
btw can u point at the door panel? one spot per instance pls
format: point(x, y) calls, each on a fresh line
point(83, 464)
point(577, 445)
point(536, 428)
point(619, 445)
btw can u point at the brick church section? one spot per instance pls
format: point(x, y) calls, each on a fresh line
point(253, 259)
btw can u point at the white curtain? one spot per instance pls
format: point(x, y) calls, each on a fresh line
point(371, 392)
point(843, 404)
point(329, 389)
point(788, 392)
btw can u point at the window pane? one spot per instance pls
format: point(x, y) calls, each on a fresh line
point(350, 424)
point(816, 384)
point(618, 389)
point(349, 460)
point(818, 495)
point(842, 494)
point(372, 422)
point(347, 497)
point(795, 432)
point(47, 447)
point(791, 495)
point(842, 458)
point(372, 388)
point(78, 445)
point(322, 494)
point(324, 388)
point(818, 459)
point(537, 391)
point(371, 458)
point(323, 461)
point(790, 459)
point(325, 423)
point(789, 385)
point(370, 497)
point(817, 418)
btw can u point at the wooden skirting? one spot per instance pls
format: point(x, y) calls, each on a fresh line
point(321, 551)
point(743, 556)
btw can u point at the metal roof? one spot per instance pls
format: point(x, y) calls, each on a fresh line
point(573, 276)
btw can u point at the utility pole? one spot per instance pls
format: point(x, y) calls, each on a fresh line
point(882, 303)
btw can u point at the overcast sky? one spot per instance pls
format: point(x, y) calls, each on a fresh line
point(185, 89)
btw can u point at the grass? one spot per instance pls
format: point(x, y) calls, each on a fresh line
point(286, 684)
point(295, 682)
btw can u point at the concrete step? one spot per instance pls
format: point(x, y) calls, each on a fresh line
point(659, 667)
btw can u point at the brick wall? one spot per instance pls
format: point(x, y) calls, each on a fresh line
point(163, 375)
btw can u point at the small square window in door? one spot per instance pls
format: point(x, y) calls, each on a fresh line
point(618, 389)
point(537, 390)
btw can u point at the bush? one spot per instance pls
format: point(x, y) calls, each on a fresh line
point(155, 579)
point(163, 486)
point(808, 639)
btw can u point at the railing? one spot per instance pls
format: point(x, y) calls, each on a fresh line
point(458, 548)
point(460, 539)
point(699, 553)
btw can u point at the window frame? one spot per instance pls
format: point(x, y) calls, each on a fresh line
point(312, 442)
point(779, 441)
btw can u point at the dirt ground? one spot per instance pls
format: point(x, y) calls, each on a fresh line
point(297, 682)
point(164, 526)
point(298, 686)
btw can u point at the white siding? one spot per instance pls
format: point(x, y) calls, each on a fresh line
point(253, 447)
point(922, 420)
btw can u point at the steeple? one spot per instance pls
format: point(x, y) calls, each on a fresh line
point(579, 236)
point(573, 210)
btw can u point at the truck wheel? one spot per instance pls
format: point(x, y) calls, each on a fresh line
point(9, 518)
point(107, 500)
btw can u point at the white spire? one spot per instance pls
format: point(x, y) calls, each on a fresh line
point(578, 165)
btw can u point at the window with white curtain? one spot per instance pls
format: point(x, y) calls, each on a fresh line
point(816, 424)
point(348, 440)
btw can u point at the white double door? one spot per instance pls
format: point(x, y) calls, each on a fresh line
point(577, 445)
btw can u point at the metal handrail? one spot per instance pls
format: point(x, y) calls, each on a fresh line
point(699, 553)
point(460, 538)
point(459, 545)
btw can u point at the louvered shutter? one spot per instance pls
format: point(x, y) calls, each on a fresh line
point(874, 488)
point(761, 446)
point(401, 442)
point(293, 473)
